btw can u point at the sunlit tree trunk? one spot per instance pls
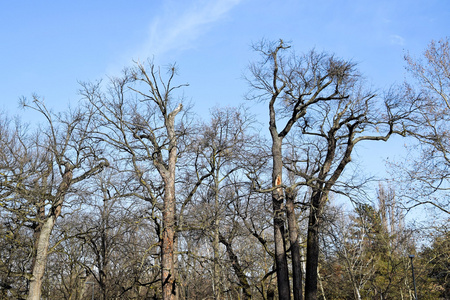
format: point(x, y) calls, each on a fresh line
point(168, 235)
point(40, 261)
point(43, 237)
point(279, 219)
point(168, 256)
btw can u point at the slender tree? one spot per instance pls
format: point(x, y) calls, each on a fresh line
point(225, 142)
point(426, 174)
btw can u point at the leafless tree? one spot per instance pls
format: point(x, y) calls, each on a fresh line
point(426, 175)
point(222, 146)
point(225, 143)
point(137, 114)
point(15, 237)
point(323, 100)
point(40, 171)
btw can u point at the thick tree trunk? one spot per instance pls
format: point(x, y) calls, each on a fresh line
point(312, 245)
point(40, 261)
point(279, 221)
point(297, 273)
point(312, 257)
point(168, 256)
point(167, 247)
point(42, 237)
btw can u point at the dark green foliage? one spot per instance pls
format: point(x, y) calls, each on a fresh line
point(436, 261)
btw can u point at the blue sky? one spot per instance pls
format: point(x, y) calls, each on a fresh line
point(48, 46)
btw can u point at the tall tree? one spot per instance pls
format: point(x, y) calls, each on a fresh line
point(225, 143)
point(428, 173)
point(325, 97)
point(137, 115)
point(329, 134)
point(274, 79)
point(40, 171)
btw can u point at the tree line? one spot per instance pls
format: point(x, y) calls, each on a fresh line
point(130, 196)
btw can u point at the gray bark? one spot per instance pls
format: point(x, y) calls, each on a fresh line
point(40, 260)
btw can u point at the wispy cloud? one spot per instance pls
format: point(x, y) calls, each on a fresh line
point(179, 26)
point(397, 40)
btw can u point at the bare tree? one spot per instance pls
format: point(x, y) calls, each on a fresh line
point(351, 251)
point(137, 115)
point(15, 237)
point(40, 171)
point(427, 174)
point(325, 98)
point(224, 144)
point(267, 82)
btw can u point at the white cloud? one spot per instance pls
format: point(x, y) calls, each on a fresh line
point(179, 26)
point(397, 40)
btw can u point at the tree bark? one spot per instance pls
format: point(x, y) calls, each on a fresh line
point(297, 274)
point(168, 234)
point(168, 257)
point(279, 220)
point(42, 236)
point(40, 261)
point(312, 245)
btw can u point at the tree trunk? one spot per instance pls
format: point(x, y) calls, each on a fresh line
point(357, 293)
point(216, 284)
point(312, 246)
point(168, 257)
point(81, 289)
point(42, 237)
point(238, 270)
point(321, 285)
point(167, 249)
point(278, 222)
point(216, 288)
point(40, 261)
point(297, 273)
